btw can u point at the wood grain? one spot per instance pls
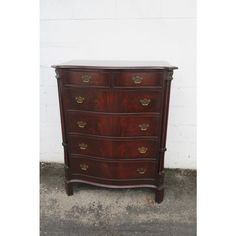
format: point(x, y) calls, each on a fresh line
point(114, 124)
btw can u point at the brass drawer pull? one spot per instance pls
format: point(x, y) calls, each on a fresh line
point(143, 127)
point(83, 167)
point(79, 99)
point(142, 150)
point(83, 146)
point(86, 78)
point(137, 79)
point(141, 171)
point(81, 124)
point(145, 101)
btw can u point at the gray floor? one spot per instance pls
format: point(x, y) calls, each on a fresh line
point(99, 211)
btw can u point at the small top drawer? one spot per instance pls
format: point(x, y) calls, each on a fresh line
point(137, 78)
point(96, 78)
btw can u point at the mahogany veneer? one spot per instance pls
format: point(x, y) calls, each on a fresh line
point(108, 124)
point(114, 122)
point(107, 100)
point(112, 147)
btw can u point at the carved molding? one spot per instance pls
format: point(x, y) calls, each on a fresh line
point(162, 149)
point(64, 144)
point(66, 169)
point(170, 75)
point(160, 178)
point(112, 185)
point(57, 74)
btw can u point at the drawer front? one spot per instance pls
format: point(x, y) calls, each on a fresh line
point(137, 101)
point(129, 101)
point(85, 123)
point(137, 126)
point(139, 79)
point(113, 170)
point(86, 99)
point(112, 148)
point(85, 78)
point(112, 125)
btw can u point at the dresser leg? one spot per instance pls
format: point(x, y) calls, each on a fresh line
point(69, 189)
point(159, 195)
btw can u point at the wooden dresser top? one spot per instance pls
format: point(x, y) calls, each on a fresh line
point(109, 64)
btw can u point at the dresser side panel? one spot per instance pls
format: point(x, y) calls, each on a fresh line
point(164, 122)
point(63, 125)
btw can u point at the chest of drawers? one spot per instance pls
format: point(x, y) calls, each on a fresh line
point(114, 122)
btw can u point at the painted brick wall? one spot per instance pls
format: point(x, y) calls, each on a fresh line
point(129, 30)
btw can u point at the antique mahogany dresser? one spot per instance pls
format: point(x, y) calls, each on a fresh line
point(114, 121)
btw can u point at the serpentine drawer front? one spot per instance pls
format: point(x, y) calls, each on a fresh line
point(114, 121)
point(124, 148)
point(108, 124)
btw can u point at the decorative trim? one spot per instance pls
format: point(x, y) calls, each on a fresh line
point(57, 74)
point(160, 179)
point(66, 169)
point(170, 75)
point(164, 119)
point(162, 149)
point(112, 186)
point(113, 180)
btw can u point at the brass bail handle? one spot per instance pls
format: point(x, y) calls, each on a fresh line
point(83, 167)
point(142, 150)
point(141, 171)
point(81, 124)
point(143, 127)
point(79, 99)
point(83, 146)
point(145, 101)
point(86, 78)
point(137, 79)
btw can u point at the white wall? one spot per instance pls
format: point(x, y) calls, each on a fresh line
point(129, 30)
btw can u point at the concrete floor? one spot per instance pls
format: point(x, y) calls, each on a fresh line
point(99, 212)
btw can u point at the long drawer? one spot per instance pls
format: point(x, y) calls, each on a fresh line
point(112, 125)
point(116, 148)
point(113, 169)
point(116, 100)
